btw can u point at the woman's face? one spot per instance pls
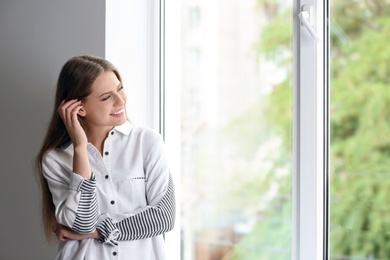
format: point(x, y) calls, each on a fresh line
point(105, 106)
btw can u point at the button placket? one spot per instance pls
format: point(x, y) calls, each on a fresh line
point(105, 158)
point(107, 152)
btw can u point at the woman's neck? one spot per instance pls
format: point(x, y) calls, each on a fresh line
point(97, 136)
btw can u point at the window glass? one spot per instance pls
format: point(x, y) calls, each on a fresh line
point(360, 127)
point(236, 129)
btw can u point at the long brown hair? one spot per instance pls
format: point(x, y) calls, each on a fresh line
point(75, 81)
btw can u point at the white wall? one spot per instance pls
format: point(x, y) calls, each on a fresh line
point(36, 38)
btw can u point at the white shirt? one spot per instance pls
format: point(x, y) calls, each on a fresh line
point(130, 197)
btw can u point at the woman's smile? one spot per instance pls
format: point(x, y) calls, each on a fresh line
point(118, 113)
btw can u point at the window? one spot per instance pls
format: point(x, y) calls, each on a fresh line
point(235, 127)
point(243, 103)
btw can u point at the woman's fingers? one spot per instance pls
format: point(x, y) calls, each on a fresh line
point(71, 113)
point(68, 110)
point(62, 233)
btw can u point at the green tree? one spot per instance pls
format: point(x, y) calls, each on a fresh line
point(360, 148)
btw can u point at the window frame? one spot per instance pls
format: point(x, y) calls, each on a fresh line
point(311, 134)
point(310, 191)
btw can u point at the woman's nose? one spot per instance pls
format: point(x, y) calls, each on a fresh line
point(119, 101)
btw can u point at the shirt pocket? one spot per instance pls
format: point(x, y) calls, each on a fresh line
point(131, 191)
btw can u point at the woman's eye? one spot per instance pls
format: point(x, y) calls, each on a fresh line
point(121, 88)
point(105, 98)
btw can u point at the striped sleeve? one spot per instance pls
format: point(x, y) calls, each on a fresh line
point(151, 222)
point(87, 211)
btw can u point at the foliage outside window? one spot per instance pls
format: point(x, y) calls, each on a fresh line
point(360, 125)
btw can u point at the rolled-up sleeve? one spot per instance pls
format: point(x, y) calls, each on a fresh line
point(74, 197)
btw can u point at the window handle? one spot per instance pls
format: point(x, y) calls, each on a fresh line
point(304, 16)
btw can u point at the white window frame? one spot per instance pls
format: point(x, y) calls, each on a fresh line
point(311, 133)
point(172, 115)
point(311, 125)
point(154, 32)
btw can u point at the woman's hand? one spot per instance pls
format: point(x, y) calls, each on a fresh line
point(68, 111)
point(64, 233)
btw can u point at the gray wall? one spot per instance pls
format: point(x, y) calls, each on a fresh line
point(36, 38)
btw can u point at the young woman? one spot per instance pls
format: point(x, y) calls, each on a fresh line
point(106, 188)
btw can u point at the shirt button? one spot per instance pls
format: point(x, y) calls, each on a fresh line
point(112, 202)
point(106, 153)
point(113, 253)
point(112, 133)
point(106, 176)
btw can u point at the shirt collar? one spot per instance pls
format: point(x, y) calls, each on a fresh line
point(124, 128)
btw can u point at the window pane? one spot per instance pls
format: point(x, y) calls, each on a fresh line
point(360, 127)
point(236, 129)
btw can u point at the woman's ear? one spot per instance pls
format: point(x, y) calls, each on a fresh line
point(82, 112)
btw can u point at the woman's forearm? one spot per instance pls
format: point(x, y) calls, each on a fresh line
point(64, 233)
point(81, 163)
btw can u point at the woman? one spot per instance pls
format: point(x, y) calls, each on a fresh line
point(106, 188)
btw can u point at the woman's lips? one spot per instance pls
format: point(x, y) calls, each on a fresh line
point(118, 113)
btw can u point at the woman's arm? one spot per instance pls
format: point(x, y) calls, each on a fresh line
point(68, 111)
point(74, 197)
point(151, 221)
point(69, 176)
point(64, 233)
point(158, 216)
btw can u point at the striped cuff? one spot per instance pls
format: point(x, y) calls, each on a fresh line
point(153, 221)
point(109, 231)
point(87, 211)
point(88, 185)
